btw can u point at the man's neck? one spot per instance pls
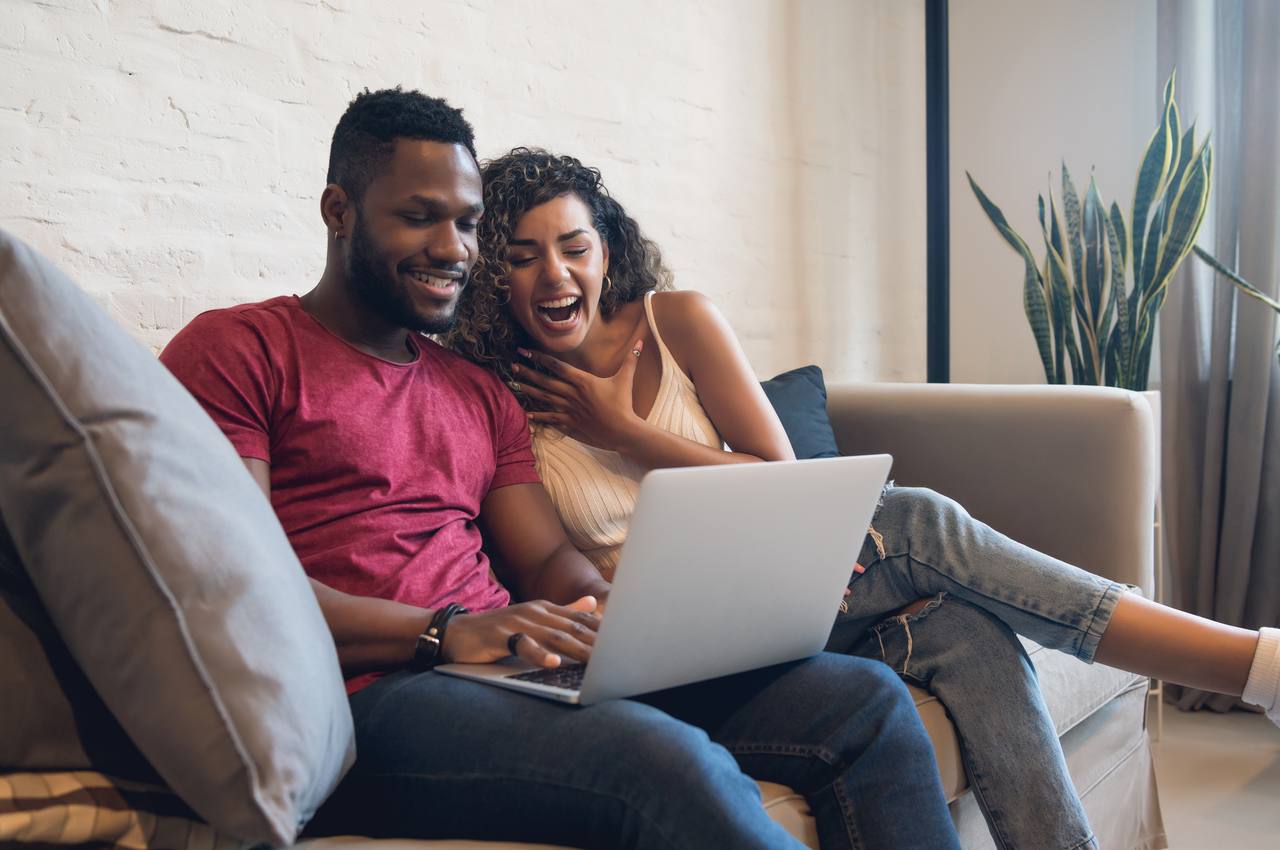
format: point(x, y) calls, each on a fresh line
point(330, 303)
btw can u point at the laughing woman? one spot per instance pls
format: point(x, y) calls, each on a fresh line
point(572, 305)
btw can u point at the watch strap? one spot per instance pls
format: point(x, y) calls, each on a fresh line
point(429, 650)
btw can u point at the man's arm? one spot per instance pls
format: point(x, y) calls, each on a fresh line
point(536, 558)
point(371, 634)
point(381, 634)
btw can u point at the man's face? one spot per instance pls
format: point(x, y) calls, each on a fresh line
point(414, 240)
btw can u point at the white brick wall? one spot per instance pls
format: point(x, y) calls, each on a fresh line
point(170, 153)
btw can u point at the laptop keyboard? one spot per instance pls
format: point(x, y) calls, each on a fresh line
point(565, 676)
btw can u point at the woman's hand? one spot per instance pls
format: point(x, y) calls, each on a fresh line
point(551, 633)
point(858, 570)
point(593, 410)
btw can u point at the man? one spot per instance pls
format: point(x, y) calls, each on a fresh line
point(385, 456)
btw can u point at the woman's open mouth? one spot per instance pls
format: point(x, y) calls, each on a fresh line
point(560, 314)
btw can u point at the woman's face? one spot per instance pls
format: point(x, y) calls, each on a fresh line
point(558, 263)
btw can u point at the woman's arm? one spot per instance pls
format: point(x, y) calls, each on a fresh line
point(706, 348)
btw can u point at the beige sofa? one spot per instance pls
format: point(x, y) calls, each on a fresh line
point(1068, 470)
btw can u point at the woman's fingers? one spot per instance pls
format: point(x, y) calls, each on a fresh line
point(531, 377)
point(543, 396)
point(551, 364)
point(546, 417)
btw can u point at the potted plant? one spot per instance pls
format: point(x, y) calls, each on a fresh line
point(1092, 302)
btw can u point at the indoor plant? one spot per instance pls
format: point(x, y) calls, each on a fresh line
point(1092, 303)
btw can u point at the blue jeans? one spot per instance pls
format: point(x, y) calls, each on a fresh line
point(962, 648)
point(442, 757)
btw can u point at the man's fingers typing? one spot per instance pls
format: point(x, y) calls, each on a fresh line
point(528, 649)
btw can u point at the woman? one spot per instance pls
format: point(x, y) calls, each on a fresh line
point(571, 305)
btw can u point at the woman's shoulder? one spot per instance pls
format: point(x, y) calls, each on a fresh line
point(683, 317)
point(682, 311)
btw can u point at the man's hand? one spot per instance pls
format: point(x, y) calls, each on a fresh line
point(595, 411)
point(551, 633)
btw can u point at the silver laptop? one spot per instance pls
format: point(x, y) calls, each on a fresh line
point(725, 569)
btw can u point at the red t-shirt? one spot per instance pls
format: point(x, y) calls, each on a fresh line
point(378, 469)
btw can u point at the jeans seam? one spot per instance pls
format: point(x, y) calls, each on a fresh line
point(1090, 841)
point(1083, 633)
point(500, 777)
point(1093, 635)
point(827, 758)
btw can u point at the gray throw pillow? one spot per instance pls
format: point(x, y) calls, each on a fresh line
point(162, 567)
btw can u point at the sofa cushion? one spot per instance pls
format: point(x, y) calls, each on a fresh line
point(87, 809)
point(1073, 690)
point(162, 567)
point(799, 397)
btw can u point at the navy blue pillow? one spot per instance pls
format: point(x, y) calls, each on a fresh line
point(800, 399)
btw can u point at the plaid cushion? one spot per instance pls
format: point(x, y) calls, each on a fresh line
point(82, 808)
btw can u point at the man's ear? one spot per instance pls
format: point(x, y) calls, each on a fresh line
point(337, 210)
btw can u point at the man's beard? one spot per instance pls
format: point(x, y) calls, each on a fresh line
point(385, 295)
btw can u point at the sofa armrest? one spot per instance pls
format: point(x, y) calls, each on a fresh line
point(1070, 471)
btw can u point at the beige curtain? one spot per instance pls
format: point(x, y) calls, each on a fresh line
point(1220, 380)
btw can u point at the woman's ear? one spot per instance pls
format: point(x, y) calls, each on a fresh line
point(604, 252)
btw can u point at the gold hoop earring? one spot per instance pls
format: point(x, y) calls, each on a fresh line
point(608, 284)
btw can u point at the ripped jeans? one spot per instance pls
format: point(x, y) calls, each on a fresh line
point(962, 648)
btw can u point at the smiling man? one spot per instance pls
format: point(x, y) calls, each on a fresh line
point(386, 456)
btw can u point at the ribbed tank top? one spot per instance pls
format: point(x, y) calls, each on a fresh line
point(594, 490)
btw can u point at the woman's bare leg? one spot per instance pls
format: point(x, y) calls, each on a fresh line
point(1164, 643)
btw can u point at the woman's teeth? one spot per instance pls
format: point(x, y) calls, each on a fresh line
point(562, 311)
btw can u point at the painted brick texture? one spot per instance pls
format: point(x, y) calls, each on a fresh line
point(170, 154)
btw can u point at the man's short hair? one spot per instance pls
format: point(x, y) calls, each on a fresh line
point(364, 139)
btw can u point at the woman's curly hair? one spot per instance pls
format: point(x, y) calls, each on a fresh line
point(514, 184)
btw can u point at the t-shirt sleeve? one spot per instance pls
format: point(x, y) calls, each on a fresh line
point(222, 360)
point(513, 449)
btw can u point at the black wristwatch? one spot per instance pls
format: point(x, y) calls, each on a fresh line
point(428, 653)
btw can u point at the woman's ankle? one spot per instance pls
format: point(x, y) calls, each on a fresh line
point(1263, 686)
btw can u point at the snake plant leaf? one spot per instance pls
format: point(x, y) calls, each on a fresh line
point(1071, 216)
point(1244, 285)
point(1152, 174)
point(1144, 272)
point(1054, 325)
point(1062, 303)
point(1118, 338)
point(1111, 374)
point(1061, 312)
point(1033, 286)
point(1186, 153)
point(1095, 259)
point(1187, 213)
point(1083, 315)
point(1117, 222)
point(1137, 316)
point(1240, 283)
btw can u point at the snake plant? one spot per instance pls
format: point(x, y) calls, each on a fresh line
point(1241, 284)
point(1092, 303)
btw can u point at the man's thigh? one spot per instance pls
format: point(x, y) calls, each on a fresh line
point(439, 756)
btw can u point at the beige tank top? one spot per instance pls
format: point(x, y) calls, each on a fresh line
point(595, 490)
